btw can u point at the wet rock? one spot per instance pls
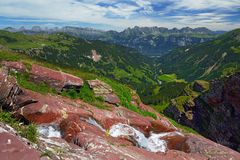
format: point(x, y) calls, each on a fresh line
point(56, 79)
point(175, 141)
point(105, 91)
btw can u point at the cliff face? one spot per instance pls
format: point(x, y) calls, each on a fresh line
point(73, 129)
point(215, 113)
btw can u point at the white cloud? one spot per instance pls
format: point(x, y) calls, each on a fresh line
point(88, 11)
point(207, 4)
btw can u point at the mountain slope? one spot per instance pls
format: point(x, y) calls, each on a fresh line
point(152, 41)
point(205, 61)
point(211, 109)
point(116, 62)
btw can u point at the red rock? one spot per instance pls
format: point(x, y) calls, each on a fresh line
point(19, 66)
point(104, 90)
point(12, 148)
point(8, 91)
point(210, 149)
point(162, 125)
point(50, 108)
point(55, 79)
point(176, 141)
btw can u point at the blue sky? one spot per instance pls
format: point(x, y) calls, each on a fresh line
point(120, 14)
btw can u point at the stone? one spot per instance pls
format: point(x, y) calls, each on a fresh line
point(56, 79)
point(16, 66)
point(13, 147)
point(95, 56)
point(104, 90)
point(209, 149)
point(9, 90)
point(176, 141)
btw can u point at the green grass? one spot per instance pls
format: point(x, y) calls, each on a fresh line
point(123, 91)
point(87, 95)
point(184, 128)
point(125, 95)
point(180, 102)
point(167, 77)
point(27, 131)
point(160, 107)
point(23, 80)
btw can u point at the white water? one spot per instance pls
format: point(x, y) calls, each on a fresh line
point(153, 143)
point(93, 122)
point(49, 131)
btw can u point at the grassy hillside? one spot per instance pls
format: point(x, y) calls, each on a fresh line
point(116, 62)
point(205, 61)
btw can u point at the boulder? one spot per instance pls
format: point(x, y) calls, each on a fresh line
point(175, 141)
point(15, 66)
point(56, 79)
point(13, 147)
point(210, 149)
point(49, 108)
point(9, 91)
point(104, 90)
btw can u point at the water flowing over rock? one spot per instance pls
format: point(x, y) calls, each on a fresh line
point(72, 129)
point(49, 131)
point(153, 143)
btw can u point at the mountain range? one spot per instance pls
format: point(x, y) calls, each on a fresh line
point(151, 41)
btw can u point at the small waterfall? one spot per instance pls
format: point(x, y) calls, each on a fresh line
point(94, 122)
point(49, 131)
point(153, 143)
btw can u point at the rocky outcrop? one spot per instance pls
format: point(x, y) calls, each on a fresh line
point(73, 129)
point(95, 56)
point(105, 91)
point(15, 66)
point(56, 79)
point(216, 113)
point(9, 91)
